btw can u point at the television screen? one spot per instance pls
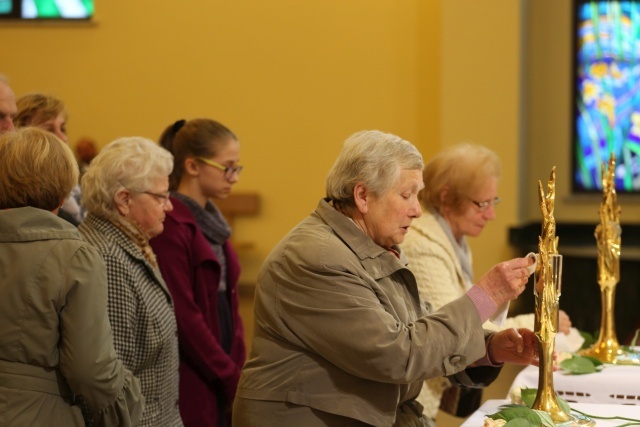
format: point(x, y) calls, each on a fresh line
point(46, 9)
point(607, 93)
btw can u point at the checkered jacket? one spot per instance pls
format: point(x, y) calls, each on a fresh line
point(143, 321)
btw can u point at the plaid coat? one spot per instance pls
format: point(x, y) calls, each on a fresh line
point(143, 321)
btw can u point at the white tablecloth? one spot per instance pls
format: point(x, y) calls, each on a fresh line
point(604, 410)
point(616, 384)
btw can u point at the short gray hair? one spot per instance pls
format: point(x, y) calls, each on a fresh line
point(132, 162)
point(373, 158)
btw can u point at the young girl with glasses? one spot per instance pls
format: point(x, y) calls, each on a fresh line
point(201, 268)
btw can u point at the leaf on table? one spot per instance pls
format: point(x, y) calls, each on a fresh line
point(580, 365)
point(515, 412)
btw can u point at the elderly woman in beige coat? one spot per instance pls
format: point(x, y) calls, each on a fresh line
point(341, 337)
point(56, 343)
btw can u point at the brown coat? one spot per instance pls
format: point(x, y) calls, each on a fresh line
point(339, 328)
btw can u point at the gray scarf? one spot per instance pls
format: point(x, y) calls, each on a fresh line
point(461, 249)
point(214, 227)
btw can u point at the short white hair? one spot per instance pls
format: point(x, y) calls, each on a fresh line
point(373, 158)
point(132, 162)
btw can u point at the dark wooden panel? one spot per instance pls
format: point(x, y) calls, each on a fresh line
point(581, 297)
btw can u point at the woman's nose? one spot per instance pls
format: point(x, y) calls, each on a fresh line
point(490, 213)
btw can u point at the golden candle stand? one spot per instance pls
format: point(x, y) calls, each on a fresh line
point(547, 290)
point(608, 232)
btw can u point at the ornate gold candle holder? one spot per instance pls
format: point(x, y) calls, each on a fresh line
point(608, 233)
point(547, 290)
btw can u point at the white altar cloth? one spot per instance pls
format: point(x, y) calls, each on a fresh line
point(615, 384)
point(595, 409)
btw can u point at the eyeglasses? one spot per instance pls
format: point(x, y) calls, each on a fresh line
point(162, 197)
point(229, 171)
point(483, 206)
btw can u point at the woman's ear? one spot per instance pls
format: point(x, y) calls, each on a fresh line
point(442, 197)
point(360, 196)
point(56, 210)
point(122, 200)
point(191, 166)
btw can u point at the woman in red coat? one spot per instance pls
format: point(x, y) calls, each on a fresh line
point(201, 269)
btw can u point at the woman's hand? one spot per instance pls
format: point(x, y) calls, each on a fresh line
point(519, 347)
point(564, 323)
point(505, 281)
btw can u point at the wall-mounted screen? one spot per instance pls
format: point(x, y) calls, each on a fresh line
point(607, 93)
point(46, 9)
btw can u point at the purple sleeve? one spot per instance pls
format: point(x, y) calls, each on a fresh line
point(484, 304)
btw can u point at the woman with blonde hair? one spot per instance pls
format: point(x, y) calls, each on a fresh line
point(126, 192)
point(55, 339)
point(44, 111)
point(459, 199)
point(49, 113)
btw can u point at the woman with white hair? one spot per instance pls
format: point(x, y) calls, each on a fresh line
point(55, 340)
point(125, 190)
point(341, 338)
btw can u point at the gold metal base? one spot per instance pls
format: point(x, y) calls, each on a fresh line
point(611, 354)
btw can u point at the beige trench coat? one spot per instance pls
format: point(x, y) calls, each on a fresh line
point(339, 329)
point(55, 337)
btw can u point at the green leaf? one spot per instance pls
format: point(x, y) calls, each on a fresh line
point(596, 362)
point(578, 365)
point(521, 422)
point(529, 395)
point(563, 405)
point(513, 413)
point(588, 340)
point(635, 339)
point(547, 421)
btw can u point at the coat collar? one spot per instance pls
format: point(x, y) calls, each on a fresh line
point(118, 238)
point(31, 224)
point(378, 261)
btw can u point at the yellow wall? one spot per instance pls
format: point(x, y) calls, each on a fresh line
point(292, 78)
point(480, 103)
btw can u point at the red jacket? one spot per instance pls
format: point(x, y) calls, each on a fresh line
point(192, 272)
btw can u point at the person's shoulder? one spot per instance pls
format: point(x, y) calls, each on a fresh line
point(424, 232)
point(181, 211)
point(420, 233)
point(314, 243)
point(102, 238)
point(180, 218)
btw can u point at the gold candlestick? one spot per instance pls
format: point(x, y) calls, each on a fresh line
point(547, 290)
point(608, 232)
